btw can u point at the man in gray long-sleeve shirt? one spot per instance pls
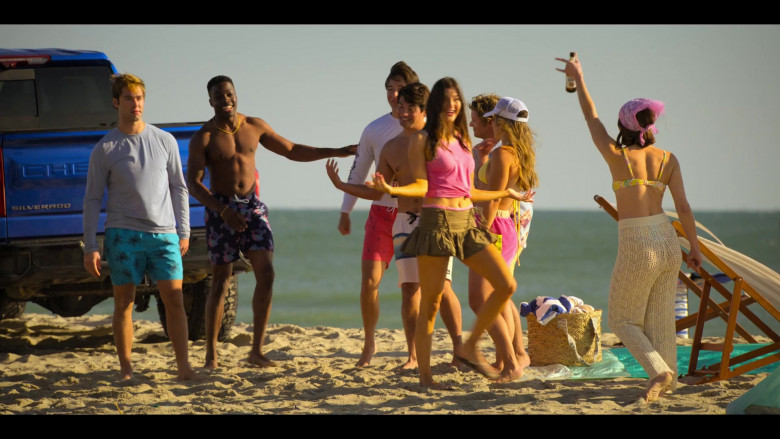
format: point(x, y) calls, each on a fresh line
point(147, 219)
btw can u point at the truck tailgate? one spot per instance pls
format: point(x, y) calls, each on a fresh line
point(45, 178)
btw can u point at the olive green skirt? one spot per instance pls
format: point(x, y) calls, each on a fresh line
point(443, 232)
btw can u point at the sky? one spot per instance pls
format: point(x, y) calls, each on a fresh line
point(320, 85)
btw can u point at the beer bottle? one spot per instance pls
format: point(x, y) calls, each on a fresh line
point(571, 86)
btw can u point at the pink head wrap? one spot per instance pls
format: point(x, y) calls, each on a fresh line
point(629, 110)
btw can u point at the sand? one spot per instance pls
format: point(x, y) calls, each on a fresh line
point(56, 365)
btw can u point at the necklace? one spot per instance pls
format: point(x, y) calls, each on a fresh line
point(226, 131)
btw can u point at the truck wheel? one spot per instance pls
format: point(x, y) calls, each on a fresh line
point(195, 296)
point(10, 309)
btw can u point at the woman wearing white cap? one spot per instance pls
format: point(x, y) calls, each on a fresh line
point(441, 162)
point(642, 289)
point(511, 164)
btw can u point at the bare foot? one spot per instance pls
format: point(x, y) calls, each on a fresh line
point(211, 362)
point(369, 349)
point(433, 385)
point(658, 385)
point(522, 358)
point(260, 360)
point(508, 375)
point(125, 373)
point(410, 364)
point(188, 375)
point(477, 362)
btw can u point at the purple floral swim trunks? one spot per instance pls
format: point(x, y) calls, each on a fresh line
point(224, 243)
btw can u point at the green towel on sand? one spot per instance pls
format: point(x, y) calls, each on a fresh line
point(706, 358)
point(618, 362)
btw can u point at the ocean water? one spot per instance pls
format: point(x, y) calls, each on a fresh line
point(569, 253)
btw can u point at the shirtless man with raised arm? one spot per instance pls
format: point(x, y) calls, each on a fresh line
point(235, 218)
point(393, 163)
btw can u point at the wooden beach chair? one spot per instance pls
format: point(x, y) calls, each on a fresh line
point(753, 283)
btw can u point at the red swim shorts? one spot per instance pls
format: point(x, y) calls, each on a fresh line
point(378, 240)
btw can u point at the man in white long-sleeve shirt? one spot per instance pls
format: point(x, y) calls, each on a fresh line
point(147, 219)
point(378, 239)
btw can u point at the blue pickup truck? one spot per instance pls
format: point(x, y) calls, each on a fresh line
point(55, 105)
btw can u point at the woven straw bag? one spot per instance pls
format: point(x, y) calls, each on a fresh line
point(571, 339)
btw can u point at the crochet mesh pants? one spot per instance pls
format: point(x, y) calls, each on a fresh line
point(642, 290)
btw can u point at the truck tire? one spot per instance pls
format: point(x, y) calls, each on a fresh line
point(195, 296)
point(10, 309)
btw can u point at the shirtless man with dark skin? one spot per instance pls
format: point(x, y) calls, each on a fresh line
point(235, 218)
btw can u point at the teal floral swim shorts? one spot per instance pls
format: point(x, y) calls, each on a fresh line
point(131, 254)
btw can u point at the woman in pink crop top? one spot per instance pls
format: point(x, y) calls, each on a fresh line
point(442, 165)
point(642, 289)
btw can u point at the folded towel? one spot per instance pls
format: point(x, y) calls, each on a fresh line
point(545, 308)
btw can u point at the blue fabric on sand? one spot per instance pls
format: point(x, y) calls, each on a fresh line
point(706, 358)
point(618, 362)
point(763, 398)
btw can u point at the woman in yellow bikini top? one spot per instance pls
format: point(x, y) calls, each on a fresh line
point(511, 164)
point(642, 287)
point(657, 183)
